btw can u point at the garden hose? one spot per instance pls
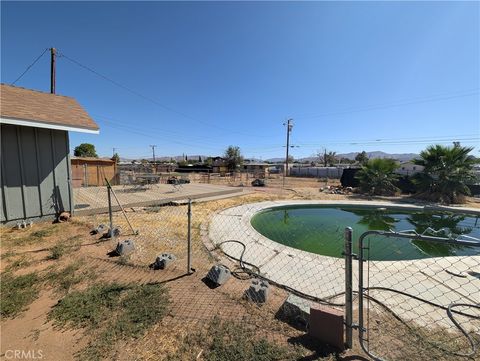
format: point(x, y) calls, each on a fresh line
point(449, 309)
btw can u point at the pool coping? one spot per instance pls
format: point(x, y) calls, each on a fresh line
point(323, 276)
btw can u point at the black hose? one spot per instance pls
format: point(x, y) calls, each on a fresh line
point(257, 274)
point(450, 312)
point(473, 345)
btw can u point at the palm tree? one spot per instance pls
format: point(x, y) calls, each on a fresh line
point(446, 173)
point(377, 177)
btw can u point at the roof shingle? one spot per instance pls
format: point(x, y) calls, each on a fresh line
point(32, 105)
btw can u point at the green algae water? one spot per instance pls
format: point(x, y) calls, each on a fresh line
point(319, 229)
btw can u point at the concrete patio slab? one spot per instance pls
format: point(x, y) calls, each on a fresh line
point(92, 200)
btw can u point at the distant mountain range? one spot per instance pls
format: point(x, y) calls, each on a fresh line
point(402, 157)
point(177, 158)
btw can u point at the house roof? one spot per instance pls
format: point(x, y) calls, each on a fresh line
point(27, 107)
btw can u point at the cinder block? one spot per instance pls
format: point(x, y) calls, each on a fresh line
point(99, 230)
point(115, 232)
point(326, 325)
point(258, 291)
point(296, 310)
point(162, 261)
point(125, 247)
point(219, 274)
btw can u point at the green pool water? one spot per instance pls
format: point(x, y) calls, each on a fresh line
point(320, 229)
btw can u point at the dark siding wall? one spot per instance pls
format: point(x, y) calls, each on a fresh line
point(35, 172)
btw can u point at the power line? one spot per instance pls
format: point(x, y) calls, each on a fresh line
point(399, 140)
point(140, 95)
point(391, 141)
point(466, 93)
point(28, 67)
point(133, 130)
point(179, 134)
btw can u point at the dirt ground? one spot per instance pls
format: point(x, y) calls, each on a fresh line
point(194, 304)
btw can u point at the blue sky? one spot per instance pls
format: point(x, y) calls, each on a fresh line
point(353, 76)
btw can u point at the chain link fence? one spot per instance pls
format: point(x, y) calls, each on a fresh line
point(274, 274)
point(428, 307)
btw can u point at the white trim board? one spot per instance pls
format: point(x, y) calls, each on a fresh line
point(36, 124)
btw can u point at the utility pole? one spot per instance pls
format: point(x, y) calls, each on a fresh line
point(154, 163)
point(289, 129)
point(153, 152)
point(113, 153)
point(53, 55)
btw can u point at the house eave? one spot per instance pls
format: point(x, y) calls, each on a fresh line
point(38, 124)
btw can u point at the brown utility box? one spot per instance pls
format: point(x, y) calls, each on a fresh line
point(326, 325)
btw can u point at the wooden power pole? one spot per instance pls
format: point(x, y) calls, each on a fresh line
point(53, 53)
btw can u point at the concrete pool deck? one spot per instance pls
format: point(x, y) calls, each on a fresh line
point(433, 279)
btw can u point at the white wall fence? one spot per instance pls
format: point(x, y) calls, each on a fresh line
point(317, 172)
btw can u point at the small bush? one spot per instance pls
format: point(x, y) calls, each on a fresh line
point(56, 252)
point(42, 233)
point(123, 260)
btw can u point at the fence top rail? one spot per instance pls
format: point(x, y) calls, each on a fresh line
point(460, 240)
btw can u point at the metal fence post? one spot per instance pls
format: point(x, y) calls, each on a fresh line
point(348, 288)
point(189, 237)
point(110, 211)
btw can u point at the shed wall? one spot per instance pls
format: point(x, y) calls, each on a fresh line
point(35, 179)
point(92, 173)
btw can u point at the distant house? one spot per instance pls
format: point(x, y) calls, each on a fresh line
point(219, 165)
point(36, 177)
point(256, 168)
point(408, 168)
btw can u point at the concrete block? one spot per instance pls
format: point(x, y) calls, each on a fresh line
point(162, 261)
point(115, 232)
point(99, 230)
point(258, 291)
point(326, 325)
point(125, 247)
point(296, 310)
point(219, 274)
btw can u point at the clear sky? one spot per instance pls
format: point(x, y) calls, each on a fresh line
point(391, 76)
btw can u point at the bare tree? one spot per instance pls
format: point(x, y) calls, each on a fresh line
point(328, 158)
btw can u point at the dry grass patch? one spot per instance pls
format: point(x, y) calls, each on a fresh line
point(407, 340)
point(111, 312)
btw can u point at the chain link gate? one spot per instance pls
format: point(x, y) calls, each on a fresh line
point(429, 305)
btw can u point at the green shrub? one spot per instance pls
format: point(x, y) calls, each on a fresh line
point(56, 252)
point(377, 177)
point(17, 292)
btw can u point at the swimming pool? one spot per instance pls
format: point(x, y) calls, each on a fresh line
point(319, 229)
